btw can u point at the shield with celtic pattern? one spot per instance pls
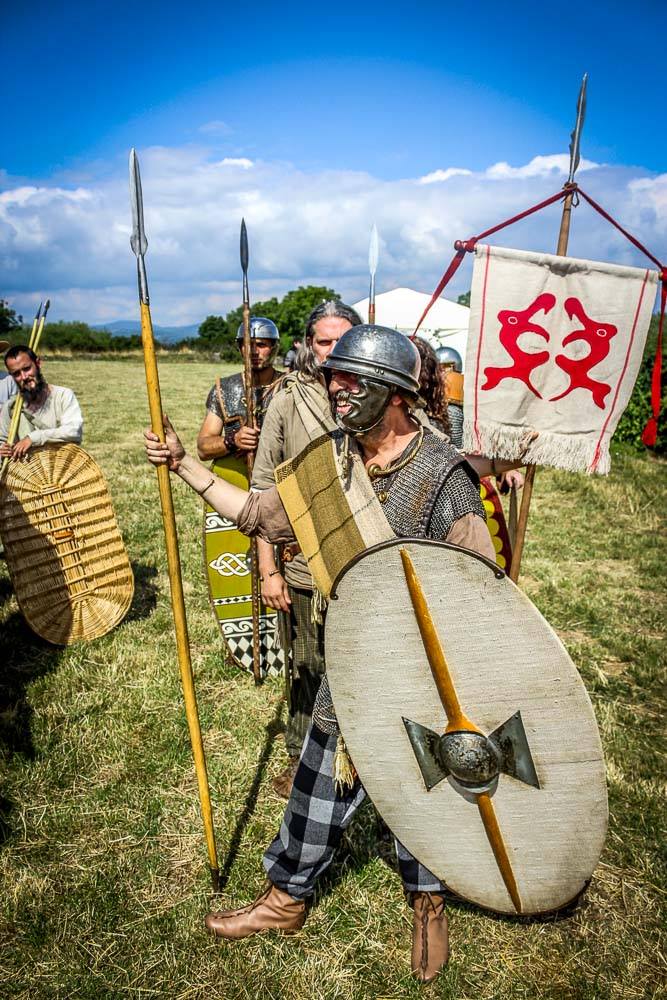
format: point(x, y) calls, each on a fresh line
point(468, 724)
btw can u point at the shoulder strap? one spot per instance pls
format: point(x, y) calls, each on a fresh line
point(218, 393)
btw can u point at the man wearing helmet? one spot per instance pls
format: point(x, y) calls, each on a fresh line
point(299, 413)
point(224, 430)
point(426, 489)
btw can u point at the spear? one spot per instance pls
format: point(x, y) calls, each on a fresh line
point(33, 344)
point(139, 245)
point(561, 251)
point(250, 455)
point(372, 267)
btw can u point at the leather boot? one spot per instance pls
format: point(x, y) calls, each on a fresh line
point(272, 910)
point(282, 783)
point(430, 936)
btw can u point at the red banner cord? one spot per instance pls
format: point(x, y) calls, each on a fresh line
point(650, 432)
point(467, 246)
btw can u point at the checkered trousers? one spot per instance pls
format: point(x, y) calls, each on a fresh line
point(314, 822)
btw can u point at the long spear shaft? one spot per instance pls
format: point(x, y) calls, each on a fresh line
point(139, 246)
point(373, 251)
point(250, 455)
point(33, 344)
point(561, 251)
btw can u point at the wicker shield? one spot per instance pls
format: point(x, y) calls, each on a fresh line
point(65, 554)
point(485, 763)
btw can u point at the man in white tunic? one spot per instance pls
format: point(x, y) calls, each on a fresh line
point(50, 413)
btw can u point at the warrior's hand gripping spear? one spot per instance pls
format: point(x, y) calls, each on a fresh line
point(139, 246)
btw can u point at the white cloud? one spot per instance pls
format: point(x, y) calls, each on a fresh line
point(443, 175)
point(216, 128)
point(236, 161)
point(539, 166)
point(304, 228)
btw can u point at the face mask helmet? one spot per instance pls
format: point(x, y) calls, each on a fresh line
point(262, 329)
point(384, 362)
point(449, 358)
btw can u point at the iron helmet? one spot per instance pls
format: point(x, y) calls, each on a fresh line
point(450, 357)
point(378, 353)
point(260, 329)
point(384, 361)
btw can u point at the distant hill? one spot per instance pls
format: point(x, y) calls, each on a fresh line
point(165, 334)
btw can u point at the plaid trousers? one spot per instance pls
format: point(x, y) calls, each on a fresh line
point(314, 822)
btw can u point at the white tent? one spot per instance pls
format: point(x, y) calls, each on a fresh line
point(446, 323)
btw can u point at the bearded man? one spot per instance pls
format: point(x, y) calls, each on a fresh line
point(224, 430)
point(426, 489)
point(50, 413)
point(298, 414)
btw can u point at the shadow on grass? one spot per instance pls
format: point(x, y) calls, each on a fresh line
point(145, 592)
point(273, 729)
point(26, 657)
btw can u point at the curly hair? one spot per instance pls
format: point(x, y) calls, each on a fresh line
point(431, 387)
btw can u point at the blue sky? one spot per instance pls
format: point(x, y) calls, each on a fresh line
point(301, 105)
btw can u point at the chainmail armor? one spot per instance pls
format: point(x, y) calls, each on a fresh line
point(423, 500)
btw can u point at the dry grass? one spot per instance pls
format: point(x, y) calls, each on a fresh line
point(103, 873)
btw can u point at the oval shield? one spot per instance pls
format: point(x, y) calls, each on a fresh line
point(227, 566)
point(468, 724)
point(65, 554)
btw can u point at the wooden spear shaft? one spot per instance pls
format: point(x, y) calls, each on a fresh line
point(139, 245)
point(250, 455)
point(177, 599)
point(561, 251)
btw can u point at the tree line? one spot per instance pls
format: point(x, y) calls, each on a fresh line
point(217, 335)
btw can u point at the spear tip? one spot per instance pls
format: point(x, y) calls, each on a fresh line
point(373, 250)
point(244, 248)
point(46, 306)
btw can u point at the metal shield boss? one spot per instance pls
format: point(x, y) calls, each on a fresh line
point(468, 724)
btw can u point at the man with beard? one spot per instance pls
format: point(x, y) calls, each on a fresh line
point(426, 489)
point(50, 413)
point(224, 430)
point(299, 413)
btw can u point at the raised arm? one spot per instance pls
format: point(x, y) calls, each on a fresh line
point(255, 513)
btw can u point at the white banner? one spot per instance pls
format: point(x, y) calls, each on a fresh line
point(554, 347)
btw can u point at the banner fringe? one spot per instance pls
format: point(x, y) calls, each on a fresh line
point(563, 451)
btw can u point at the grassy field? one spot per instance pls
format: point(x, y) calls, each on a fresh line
point(103, 870)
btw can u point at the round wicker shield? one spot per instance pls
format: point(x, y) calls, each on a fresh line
point(65, 554)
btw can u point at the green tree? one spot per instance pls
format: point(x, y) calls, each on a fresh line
point(75, 336)
point(464, 300)
point(9, 321)
point(297, 306)
point(638, 410)
point(289, 315)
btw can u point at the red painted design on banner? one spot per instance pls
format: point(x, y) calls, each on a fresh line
point(598, 337)
point(514, 323)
